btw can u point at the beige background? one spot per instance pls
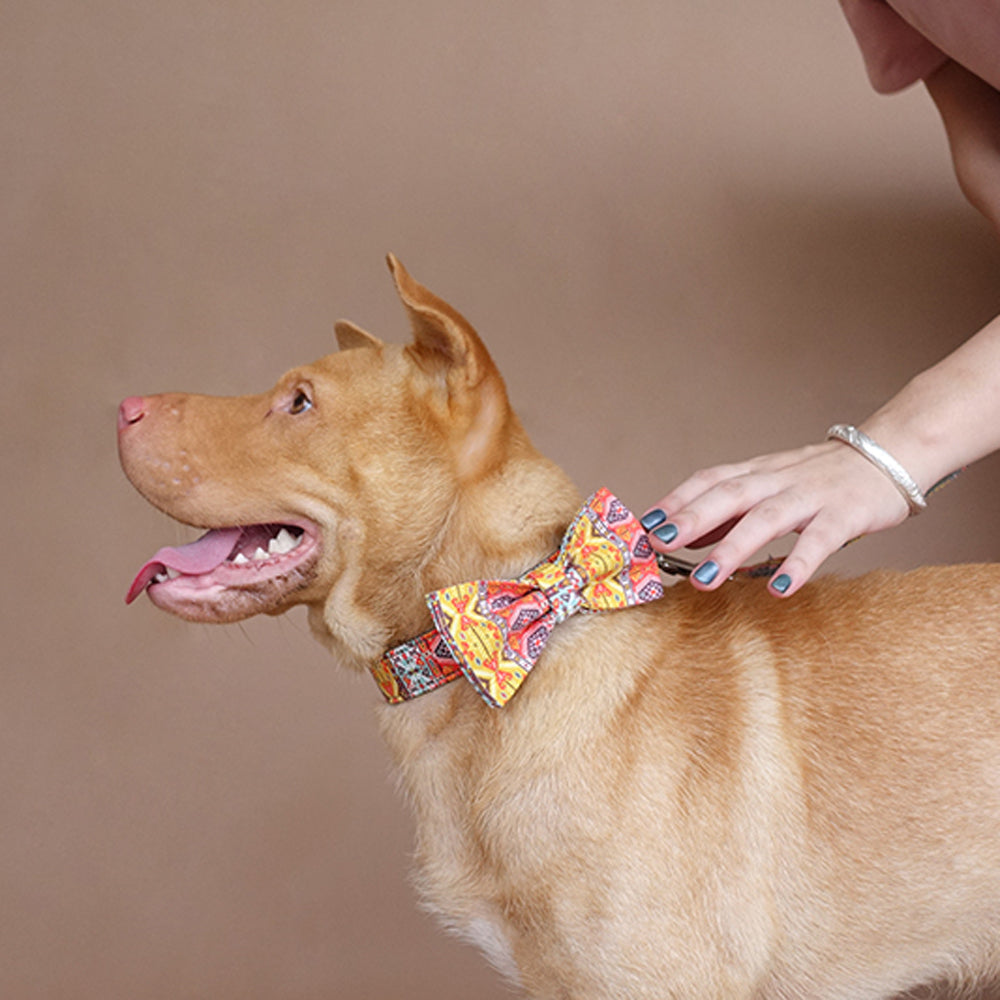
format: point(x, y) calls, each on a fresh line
point(688, 231)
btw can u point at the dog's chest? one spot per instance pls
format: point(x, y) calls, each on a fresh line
point(486, 932)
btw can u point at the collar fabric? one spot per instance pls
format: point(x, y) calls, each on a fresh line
point(493, 631)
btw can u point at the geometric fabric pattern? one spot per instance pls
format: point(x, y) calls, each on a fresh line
point(494, 631)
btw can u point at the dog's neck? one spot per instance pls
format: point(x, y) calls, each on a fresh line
point(494, 528)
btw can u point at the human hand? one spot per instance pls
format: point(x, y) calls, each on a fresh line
point(826, 493)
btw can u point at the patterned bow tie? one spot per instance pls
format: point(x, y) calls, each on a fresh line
point(493, 631)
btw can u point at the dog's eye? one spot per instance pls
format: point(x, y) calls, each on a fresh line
point(300, 402)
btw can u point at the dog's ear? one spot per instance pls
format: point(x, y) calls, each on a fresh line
point(350, 336)
point(446, 347)
point(444, 342)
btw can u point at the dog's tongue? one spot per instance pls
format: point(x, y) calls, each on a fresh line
point(202, 556)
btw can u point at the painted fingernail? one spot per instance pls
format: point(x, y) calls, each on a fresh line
point(706, 572)
point(781, 583)
point(667, 533)
point(653, 519)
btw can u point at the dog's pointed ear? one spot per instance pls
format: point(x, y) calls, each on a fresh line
point(446, 347)
point(350, 336)
point(444, 342)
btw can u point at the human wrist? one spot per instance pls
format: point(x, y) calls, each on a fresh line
point(919, 428)
point(883, 460)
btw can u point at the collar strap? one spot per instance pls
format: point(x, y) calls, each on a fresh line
point(493, 631)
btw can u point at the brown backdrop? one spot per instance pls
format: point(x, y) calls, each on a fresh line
point(688, 231)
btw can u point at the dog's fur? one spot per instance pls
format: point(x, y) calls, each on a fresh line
point(717, 795)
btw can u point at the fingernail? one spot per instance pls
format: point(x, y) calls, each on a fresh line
point(706, 572)
point(667, 533)
point(653, 519)
point(781, 583)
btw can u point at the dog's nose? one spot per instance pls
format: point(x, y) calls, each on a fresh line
point(131, 411)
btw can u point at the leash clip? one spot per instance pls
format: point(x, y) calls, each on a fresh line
point(674, 566)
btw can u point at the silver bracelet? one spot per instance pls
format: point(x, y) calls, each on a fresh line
point(883, 461)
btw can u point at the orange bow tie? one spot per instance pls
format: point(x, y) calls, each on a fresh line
point(493, 631)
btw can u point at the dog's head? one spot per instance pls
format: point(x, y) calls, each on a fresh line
point(349, 486)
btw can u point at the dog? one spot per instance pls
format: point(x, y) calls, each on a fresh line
point(708, 795)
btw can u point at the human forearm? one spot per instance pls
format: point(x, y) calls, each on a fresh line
point(948, 416)
point(827, 493)
point(945, 418)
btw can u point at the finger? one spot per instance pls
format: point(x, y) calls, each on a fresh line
point(663, 531)
point(714, 536)
point(774, 518)
point(717, 513)
point(705, 507)
point(694, 486)
point(823, 536)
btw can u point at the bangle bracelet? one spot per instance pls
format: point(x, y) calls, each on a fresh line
point(883, 461)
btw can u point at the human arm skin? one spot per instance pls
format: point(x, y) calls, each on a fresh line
point(942, 420)
point(970, 110)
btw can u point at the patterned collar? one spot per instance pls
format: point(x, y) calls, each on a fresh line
point(492, 632)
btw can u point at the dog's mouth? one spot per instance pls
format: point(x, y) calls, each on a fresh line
point(230, 573)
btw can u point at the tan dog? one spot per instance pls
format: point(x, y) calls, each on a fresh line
point(715, 795)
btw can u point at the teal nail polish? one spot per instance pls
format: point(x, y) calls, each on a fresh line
point(667, 533)
point(706, 572)
point(781, 583)
point(653, 519)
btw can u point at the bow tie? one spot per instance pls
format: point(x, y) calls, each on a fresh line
point(493, 631)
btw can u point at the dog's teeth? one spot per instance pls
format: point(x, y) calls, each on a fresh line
point(283, 542)
point(161, 577)
point(172, 574)
point(239, 559)
point(260, 554)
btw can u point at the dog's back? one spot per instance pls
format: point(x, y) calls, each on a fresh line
point(734, 796)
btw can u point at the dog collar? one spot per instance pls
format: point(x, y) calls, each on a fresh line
point(493, 631)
